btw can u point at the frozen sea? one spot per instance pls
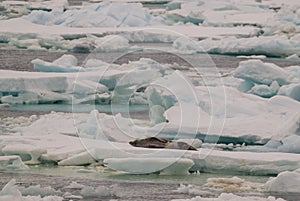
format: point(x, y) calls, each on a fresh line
point(128, 187)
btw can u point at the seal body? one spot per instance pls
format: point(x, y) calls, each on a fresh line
point(160, 143)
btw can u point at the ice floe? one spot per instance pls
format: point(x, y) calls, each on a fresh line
point(166, 166)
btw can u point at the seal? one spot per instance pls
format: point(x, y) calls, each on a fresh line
point(160, 143)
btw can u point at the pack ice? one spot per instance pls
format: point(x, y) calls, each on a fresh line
point(103, 14)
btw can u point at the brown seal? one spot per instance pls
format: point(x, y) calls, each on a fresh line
point(160, 143)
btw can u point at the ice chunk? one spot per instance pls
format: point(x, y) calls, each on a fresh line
point(156, 114)
point(197, 143)
point(83, 158)
point(168, 166)
point(265, 91)
point(66, 60)
point(293, 57)
point(12, 162)
point(39, 191)
point(111, 43)
point(294, 71)
point(66, 63)
point(173, 5)
point(232, 197)
point(186, 45)
point(23, 149)
point(150, 35)
point(245, 86)
point(11, 192)
point(86, 87)
point(98, 192)
point(290, 144)
point(261, 73)
point(291, 90)
point(285, 182)
point(251, 57)
point(48, 5)
point(277, 45)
